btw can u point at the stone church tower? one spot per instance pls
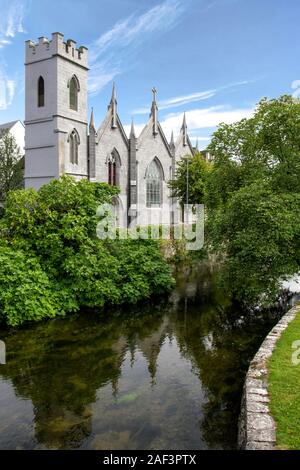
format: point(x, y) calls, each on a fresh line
point(55, 110)
point(58, 139)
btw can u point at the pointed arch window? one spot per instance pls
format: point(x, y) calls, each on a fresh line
point(41, 92)
point(112, 173)
point(114, 165)
point(74, 89)
point(154, 179)
point(74, 142)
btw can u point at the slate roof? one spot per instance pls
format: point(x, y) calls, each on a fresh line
point(8, 125)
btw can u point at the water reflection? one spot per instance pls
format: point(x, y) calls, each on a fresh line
point(166, 375)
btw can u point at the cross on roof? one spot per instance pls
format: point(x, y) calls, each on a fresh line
point(154, 91)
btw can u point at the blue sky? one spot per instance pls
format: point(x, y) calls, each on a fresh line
point(213, 59)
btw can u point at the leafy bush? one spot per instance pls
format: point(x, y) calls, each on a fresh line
point(26, 292)
point(60, 265)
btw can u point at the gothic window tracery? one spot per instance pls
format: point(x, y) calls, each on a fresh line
point(154, 178)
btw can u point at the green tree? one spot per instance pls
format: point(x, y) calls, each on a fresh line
point(190, 174)
point(259, 232)
point(11, 165)
point(253, 196)
point(265, 147)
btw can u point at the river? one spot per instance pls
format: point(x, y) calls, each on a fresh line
point(163, 375)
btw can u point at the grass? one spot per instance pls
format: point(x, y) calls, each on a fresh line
point(284, 387)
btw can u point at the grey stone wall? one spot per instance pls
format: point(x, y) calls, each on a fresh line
point(149, 147)
point(257, 429)
point(47, 128)
point(109, 139)
point(182, 150)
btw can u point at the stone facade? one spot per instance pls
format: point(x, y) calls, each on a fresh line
point(103, 154)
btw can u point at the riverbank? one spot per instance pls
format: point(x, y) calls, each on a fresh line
point(284, 386)
point(262, 408)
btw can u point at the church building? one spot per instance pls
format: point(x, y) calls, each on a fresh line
point(59, 139)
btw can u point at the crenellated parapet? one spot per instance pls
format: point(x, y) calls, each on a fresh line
point(45, 49)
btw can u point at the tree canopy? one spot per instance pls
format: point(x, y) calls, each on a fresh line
point(11, 165)
point(265, 147)
point(252, 196)
point(190, 175)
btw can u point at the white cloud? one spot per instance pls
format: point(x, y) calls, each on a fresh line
point(100, 75)
point(205, 118)
point(178, 101)
point(110, 53)
point(200, 138)
point(125, 32)
point(198, 119)
point(10, 85)
point(137, 127)
point(15, 20)
point(201, 141)
point(4, 42)
point(12, 19)
point(7, 92)
point(11, 23)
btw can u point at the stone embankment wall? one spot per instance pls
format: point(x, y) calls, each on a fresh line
point(257, 429)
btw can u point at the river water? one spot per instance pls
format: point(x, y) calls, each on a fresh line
point(165, 375)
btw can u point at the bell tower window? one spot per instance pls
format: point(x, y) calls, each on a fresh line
point(73, 91)
point(41, 92)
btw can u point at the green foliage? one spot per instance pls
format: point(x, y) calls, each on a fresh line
point(26, 292)
point(56, 227)
point(253, 199)
point(265, 147)
point(197, 169)
point(259, 231)
point(11, 165)
point(143, 269)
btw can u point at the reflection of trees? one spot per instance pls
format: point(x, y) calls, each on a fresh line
point(220, 341)
point(62, 364)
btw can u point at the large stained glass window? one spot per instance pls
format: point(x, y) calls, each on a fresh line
point(154, 184)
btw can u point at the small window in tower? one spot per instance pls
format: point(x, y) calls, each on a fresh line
point(74, 143)
point(41, 92)
point(74, 89)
